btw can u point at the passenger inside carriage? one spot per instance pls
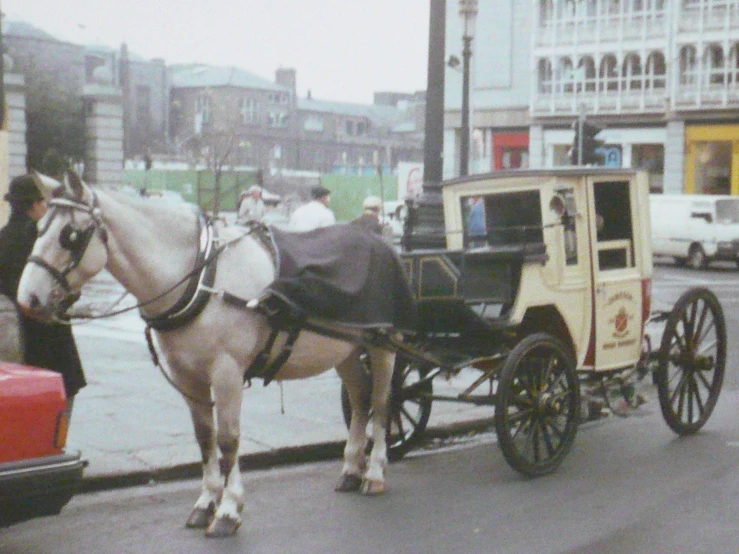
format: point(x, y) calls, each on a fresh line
point(509, 218)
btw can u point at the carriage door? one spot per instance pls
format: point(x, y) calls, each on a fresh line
point(617, 289)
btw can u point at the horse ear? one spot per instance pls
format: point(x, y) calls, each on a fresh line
point(74, 182)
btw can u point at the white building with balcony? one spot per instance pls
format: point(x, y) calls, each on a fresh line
point(662, 76)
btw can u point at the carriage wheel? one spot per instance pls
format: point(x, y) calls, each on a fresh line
point(410, 407)
point(692, 359)
point(538, 405)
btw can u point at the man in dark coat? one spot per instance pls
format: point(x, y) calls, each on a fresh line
point(46, 345)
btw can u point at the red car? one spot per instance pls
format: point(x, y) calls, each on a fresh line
point(37, 476)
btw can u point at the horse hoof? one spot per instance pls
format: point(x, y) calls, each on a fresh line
point(348, 483)
point(224, 526)
point(200, 518)
point(373, 488)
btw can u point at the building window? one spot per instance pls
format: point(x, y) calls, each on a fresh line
point(564, 75)
point(586, 74)
point(143, 103)
point(734, 64)
point(545, 76)
point(349, 128)
point(360, 128)
point(688, 65)
point(608, 73)
point(632, 72)
point(313, 123)
point(656, 70)
point(714, 64)
point(248, 110)
point(277, 119)
point(546, 11)
point(203, 112)
point(278, 98)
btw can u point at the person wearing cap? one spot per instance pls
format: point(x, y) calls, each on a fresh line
point(45, 345)
point(251, 207)
point(315, 213)
point(370, 219)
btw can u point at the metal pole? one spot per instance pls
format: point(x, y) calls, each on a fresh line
point(464, 139)
point(434, 139)
point(580, 122)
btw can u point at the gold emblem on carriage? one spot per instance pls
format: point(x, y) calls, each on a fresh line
point(621, 323)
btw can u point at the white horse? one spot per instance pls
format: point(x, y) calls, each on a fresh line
point(149, 248)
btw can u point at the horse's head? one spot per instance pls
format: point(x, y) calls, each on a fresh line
point(71, 248)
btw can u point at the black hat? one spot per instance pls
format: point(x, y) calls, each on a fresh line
point(23, 191)
point(319, 192)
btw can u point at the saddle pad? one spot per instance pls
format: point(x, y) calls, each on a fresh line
point(345, 274)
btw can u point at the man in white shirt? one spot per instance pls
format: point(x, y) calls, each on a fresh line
point(315, 213)
point(252, 206)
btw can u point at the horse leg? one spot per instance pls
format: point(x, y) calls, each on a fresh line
point(381, 368)
point(227, 388)
point(212, 484)
point(357, 383)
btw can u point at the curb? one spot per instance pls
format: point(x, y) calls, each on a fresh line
point(315, 452)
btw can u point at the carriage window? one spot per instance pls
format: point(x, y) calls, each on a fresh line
point(510, 218)
point(615, 239)
point(568, 222)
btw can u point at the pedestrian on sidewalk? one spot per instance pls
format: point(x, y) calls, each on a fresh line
point(315, 213)
point(370, 219)
point(251, 206)
point(45, 345)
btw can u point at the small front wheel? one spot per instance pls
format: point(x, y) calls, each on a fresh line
point(538, 405)
point(692, 361)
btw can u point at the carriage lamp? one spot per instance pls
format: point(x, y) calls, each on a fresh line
point(468, 14)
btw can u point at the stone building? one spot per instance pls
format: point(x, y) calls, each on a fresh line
point(270, 128)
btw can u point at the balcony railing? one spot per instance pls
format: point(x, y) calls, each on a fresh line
point(563, 103)
point(603, 28)
point(712, 18)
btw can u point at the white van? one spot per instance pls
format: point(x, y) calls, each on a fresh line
point(695, 229)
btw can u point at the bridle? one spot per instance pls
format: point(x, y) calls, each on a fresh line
point(75, 241)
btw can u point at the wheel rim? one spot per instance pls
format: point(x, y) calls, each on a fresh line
point(692, 366)
point(539, 411)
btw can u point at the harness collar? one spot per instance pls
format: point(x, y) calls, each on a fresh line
point(196, 295)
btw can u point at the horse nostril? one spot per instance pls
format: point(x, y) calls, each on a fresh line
point(34, 303)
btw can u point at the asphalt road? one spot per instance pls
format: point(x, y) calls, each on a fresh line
point(629, 486)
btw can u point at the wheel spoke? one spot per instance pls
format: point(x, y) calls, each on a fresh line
point(702, 376)
point(699, 327)
point(699, 339)
point(698, 400)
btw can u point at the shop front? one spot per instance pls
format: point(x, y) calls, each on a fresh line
point(510, 151)
point(712, 159)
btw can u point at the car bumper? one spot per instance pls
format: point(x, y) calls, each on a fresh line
point(38, 487)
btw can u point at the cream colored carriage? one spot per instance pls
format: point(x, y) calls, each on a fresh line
point(550, 303)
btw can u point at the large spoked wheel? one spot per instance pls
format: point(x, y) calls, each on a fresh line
point(410, 407)
point(692, 360)
point(538, 405)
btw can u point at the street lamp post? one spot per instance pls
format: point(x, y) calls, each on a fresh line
point(468, 14)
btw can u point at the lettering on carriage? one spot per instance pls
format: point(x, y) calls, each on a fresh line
point(623, 295)
point(619, 344)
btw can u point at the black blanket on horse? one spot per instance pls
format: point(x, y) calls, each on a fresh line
point(344, 274)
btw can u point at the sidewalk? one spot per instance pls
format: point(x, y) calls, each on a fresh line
point(133, 427)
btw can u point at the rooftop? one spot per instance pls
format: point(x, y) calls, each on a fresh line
point(200, 76)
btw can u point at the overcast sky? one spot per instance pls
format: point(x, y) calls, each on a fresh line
point(342, 49)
